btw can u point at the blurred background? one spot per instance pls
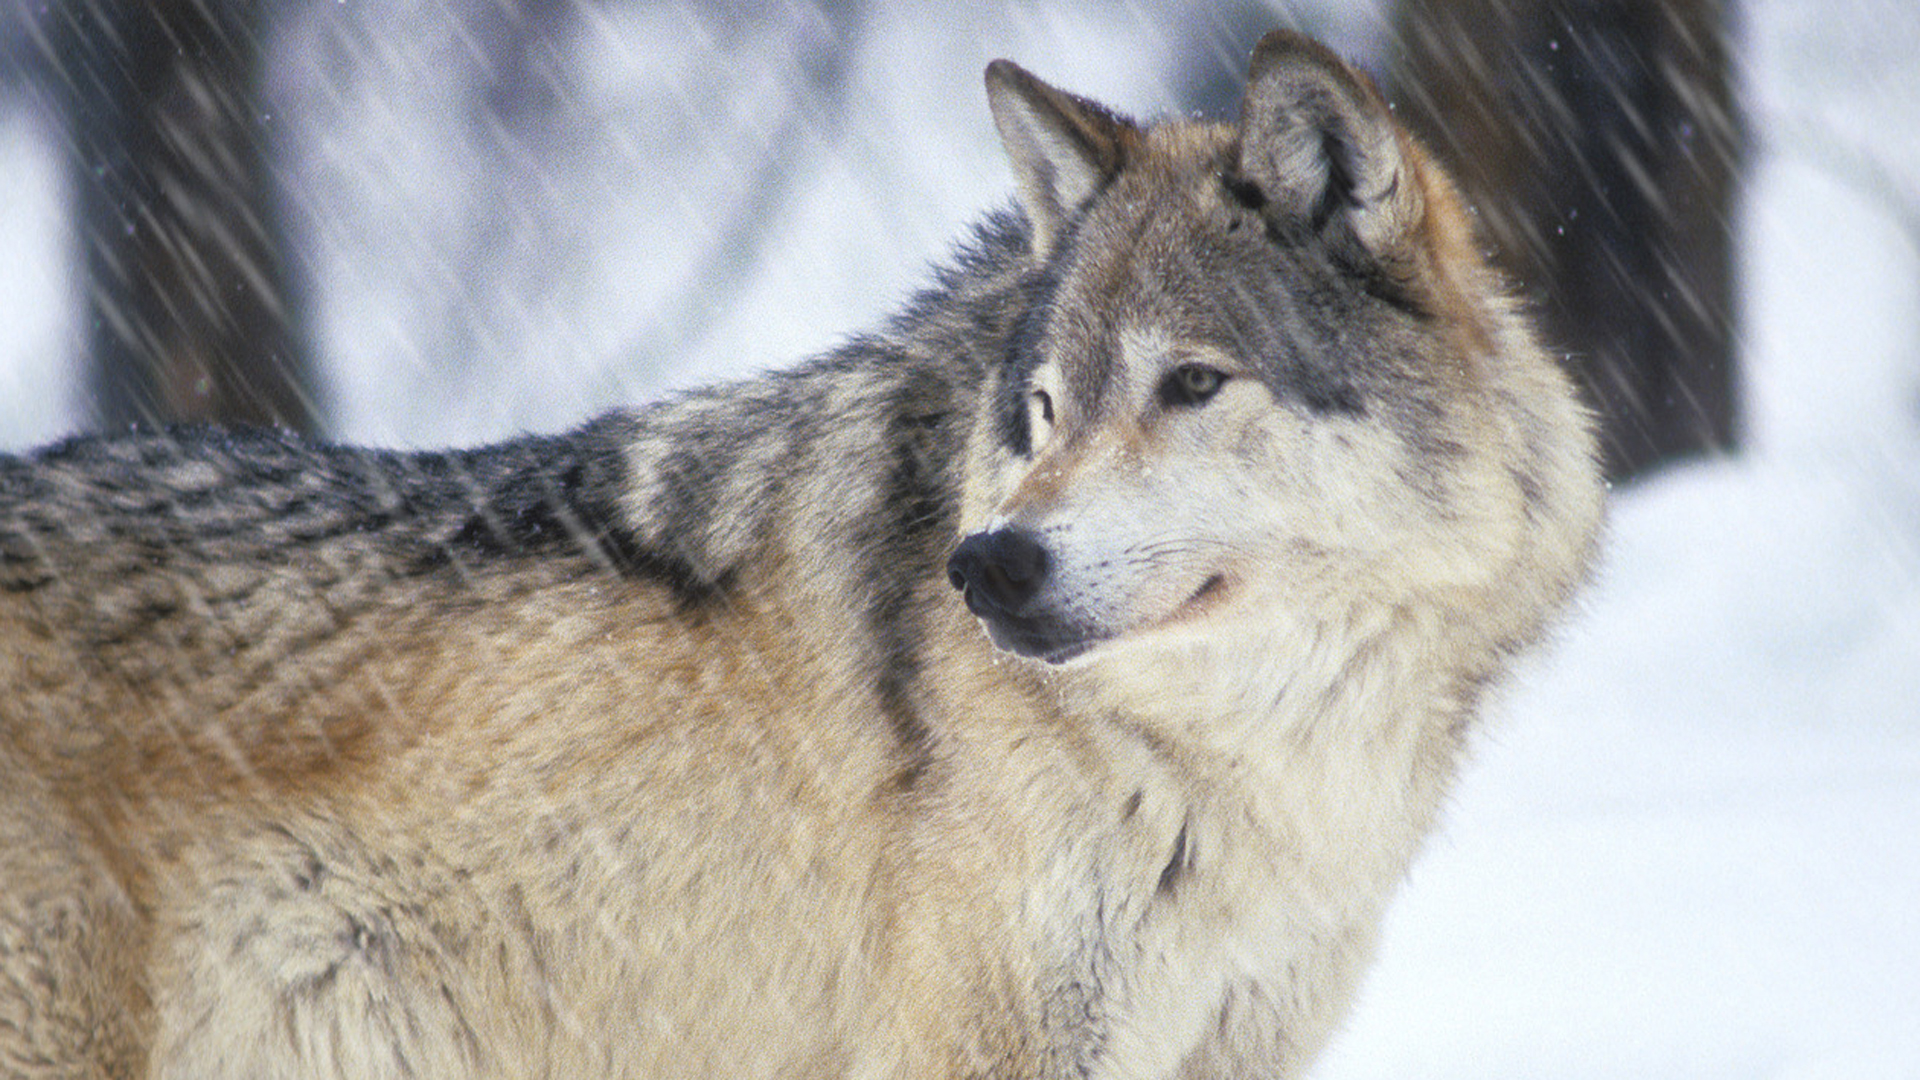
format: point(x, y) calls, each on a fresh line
point(1690, 845)
point(517, 211)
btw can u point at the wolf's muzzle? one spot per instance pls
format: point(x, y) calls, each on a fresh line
point(1002, 574)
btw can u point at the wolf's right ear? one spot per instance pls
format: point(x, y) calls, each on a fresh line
point(1064, 148)
point(1319, 149)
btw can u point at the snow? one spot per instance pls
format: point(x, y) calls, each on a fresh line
point(1689, 843)
point(38, 328)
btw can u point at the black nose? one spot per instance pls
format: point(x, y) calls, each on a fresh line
point(999, 571)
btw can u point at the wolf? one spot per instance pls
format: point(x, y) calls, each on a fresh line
point(1055, 682)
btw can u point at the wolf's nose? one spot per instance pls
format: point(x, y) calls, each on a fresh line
point(999, 571)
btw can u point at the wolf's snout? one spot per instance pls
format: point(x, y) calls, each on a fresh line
point(998, 571)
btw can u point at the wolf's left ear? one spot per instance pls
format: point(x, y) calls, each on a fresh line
point(1317, 142)
point(1064, 148)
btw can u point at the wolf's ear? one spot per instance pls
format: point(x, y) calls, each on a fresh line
point(1317, 142)
point(1064, 148)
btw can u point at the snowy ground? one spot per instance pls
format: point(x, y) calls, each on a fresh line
point(1690, 844)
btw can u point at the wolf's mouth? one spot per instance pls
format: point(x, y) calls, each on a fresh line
point(1055, 641)
point(1038, 638)
point(1070, 652)
point(1207, 588)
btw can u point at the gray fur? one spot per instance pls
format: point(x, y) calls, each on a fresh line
point(663, 747)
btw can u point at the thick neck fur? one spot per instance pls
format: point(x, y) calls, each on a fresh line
point(1252, 825)
point(1341, 737)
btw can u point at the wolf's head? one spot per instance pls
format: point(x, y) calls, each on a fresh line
point(1264, 370)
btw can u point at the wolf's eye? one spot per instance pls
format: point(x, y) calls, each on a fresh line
point(1191, 384)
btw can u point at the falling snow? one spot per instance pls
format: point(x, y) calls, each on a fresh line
point(1691, 844)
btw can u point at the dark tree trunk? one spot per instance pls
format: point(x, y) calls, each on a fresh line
point(1599, 142)
point(189, 316)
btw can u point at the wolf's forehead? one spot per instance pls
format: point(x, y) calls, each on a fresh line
point(1173, 282)
point(1178, 147)
point(1165, 264)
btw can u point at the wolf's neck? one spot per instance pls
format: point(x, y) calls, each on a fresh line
point(1336, 731)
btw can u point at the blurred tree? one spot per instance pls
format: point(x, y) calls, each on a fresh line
point(189, 315)
point(1599, 142)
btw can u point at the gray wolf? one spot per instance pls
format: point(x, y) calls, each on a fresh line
point(668, 748)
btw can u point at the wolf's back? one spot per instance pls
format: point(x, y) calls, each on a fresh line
point(196, 571)
point(196, 546)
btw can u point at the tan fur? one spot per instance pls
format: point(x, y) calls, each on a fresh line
point(350, 776)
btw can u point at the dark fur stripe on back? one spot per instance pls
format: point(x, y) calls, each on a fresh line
point(214, 495)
